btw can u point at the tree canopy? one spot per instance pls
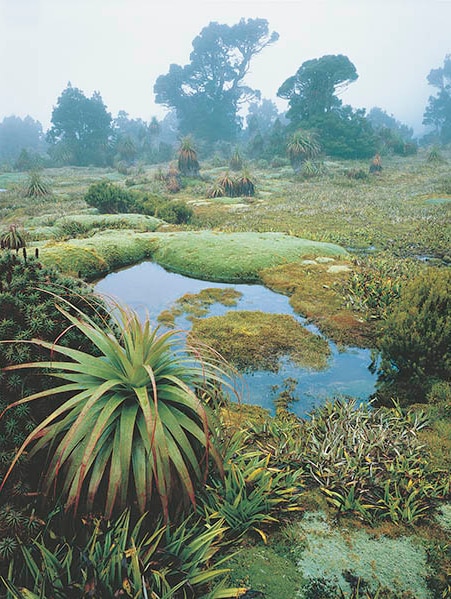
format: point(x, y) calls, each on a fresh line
point(313, 90)
point(17, 135)
point(438, 110)
point(207, 92)
point(81, 128)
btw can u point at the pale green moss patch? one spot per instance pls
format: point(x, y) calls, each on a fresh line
point(443, 516)
point(257, 340)
point(98, 254)
point(263, 571)
point(335, 555)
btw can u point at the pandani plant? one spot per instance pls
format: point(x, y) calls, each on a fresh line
point(36, 186)
point(131, 428)
point(303, 145)
point(187, 159)
point(12, 239)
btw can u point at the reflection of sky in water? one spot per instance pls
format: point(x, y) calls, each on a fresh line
point(149, 289)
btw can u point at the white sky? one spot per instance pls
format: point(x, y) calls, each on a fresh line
point(120, 47)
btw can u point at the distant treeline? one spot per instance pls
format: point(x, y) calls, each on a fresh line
point(205, 99)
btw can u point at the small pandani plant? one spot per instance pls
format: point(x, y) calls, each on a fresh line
point(216, 191)
point(231, 187)
point(435, 156)
point(244, 185)
point(187, 161)
point(12, 239)
point(302, 146)
point(35, 186)
point(173, 184)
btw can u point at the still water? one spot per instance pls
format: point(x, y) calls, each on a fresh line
point(149, 289)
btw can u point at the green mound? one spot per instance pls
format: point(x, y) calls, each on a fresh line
point(234, 256)
point(205, 255)
point(99, 254)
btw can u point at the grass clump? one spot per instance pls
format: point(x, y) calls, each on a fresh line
point(257, 340)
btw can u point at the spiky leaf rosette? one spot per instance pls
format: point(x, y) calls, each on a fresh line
point(131, 425)
point(303, 145)
point(187, 159)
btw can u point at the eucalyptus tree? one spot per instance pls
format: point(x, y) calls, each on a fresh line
point(312, 93)
point(207, 93)
point(438, 110)
point(313, 90)
point(81, 129)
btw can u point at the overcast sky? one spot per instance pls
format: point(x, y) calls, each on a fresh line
point(120, 47)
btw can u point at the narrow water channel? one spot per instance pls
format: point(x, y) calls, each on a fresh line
point(149, 289)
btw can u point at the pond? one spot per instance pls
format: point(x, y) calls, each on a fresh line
point(149, 289)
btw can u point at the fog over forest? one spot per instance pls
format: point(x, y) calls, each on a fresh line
point(120, 48)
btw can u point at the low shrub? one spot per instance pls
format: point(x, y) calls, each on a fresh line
point(109, 198)
point(414, 348)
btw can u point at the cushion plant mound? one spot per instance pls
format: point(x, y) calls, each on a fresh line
point(98, 254)
point(234, 256)
point(257, 340)
point(207, 255)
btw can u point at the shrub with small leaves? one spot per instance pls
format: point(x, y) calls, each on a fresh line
point(415, 346)
point(109, 198)
point(27, 310)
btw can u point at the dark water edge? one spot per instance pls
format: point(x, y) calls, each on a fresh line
point(149, 289)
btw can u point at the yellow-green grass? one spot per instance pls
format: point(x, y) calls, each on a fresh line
point(315, 288)
point(257, 340)
point(387, 212)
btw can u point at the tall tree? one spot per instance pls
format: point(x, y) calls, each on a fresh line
point(81, 128)
point(312, 93)
point(206, 93)
point(438, 110)
point(313, 90)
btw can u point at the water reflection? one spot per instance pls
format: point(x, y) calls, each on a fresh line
point(149, 289)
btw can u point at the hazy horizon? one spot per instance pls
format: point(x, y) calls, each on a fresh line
point(119, 48)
